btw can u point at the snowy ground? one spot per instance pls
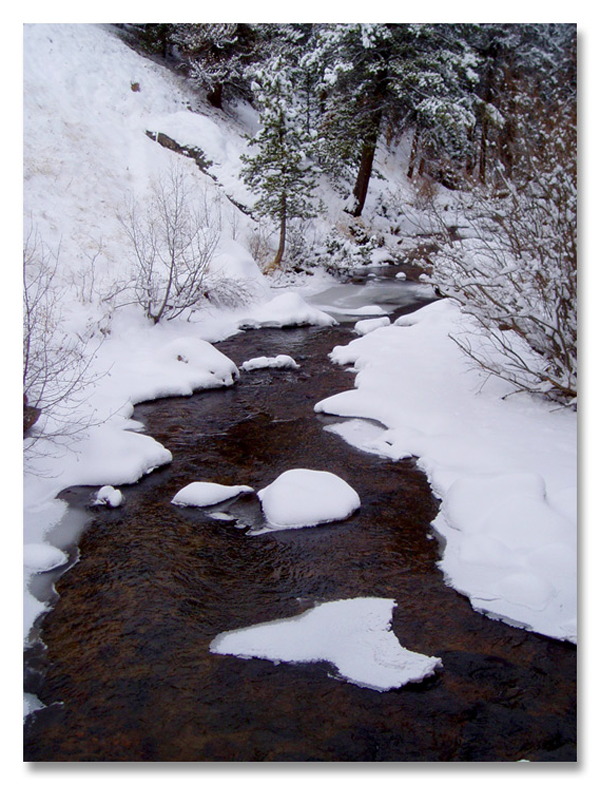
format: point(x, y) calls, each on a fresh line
point(505, 469)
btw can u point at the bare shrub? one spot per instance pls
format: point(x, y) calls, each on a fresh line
point(229, 293)
point(516, 272)
point(426, 192)
point(260, 242)
point(172, 241)
point(56, 368)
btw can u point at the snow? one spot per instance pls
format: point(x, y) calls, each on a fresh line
point(38, 557)
point(286, 310)
point(85, 151)
point(221, 148)
point(368, 325)
point(353, 635)
point(306, 497)
point(505, 468)
point(112, 497)
point(205, 494)
point(281, 361)
point(41, 557)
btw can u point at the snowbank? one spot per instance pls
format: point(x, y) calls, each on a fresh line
point(205, 494)
point(505, 468)
point(305, 497)
point(38, 557)
point(285, 310)
point(281, 361)
point(368, 325)
point(353, 635)
point(41, 557)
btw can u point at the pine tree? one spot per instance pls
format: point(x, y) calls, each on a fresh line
point(216, 56)
point(517, 63)
point(281, 171)
point(407, 75)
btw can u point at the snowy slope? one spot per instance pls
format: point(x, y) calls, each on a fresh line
point(85, 144)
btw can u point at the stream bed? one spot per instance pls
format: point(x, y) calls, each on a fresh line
point(127, 672)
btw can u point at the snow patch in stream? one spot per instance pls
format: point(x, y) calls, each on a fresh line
point(205, 494)
point(354, 635)
point(281, 361)
point(285, 310)
point(109, 496)
point(300, 498)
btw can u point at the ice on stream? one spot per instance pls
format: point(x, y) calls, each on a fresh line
point(354, 635)
point(380, 296)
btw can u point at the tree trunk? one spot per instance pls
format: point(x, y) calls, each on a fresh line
point(215, 96)
point(487, 97)
point(483, 152)
point(413, 154)
point(362, 180)
point(470, 157)
point(280, 250)
point(366, 167)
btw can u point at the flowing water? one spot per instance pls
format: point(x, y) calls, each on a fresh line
point(127, 674)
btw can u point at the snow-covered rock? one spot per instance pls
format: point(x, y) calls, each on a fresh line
point(368, 325)
point(305, 497)
point(285, 310)
point(111, 497)
point(354, 635)
point(205, 494)
point(281, 361)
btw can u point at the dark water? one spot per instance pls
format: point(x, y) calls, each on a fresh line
point(128, 675)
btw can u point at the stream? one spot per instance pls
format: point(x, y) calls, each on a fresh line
point(127, 674)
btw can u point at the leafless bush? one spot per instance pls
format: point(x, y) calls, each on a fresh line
point(86, 282)
point(56, 368)
point(516, 274)
point(93, 288)
point(172, 242)
point(229, 293)
point(260, 242)
point(425, 193)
